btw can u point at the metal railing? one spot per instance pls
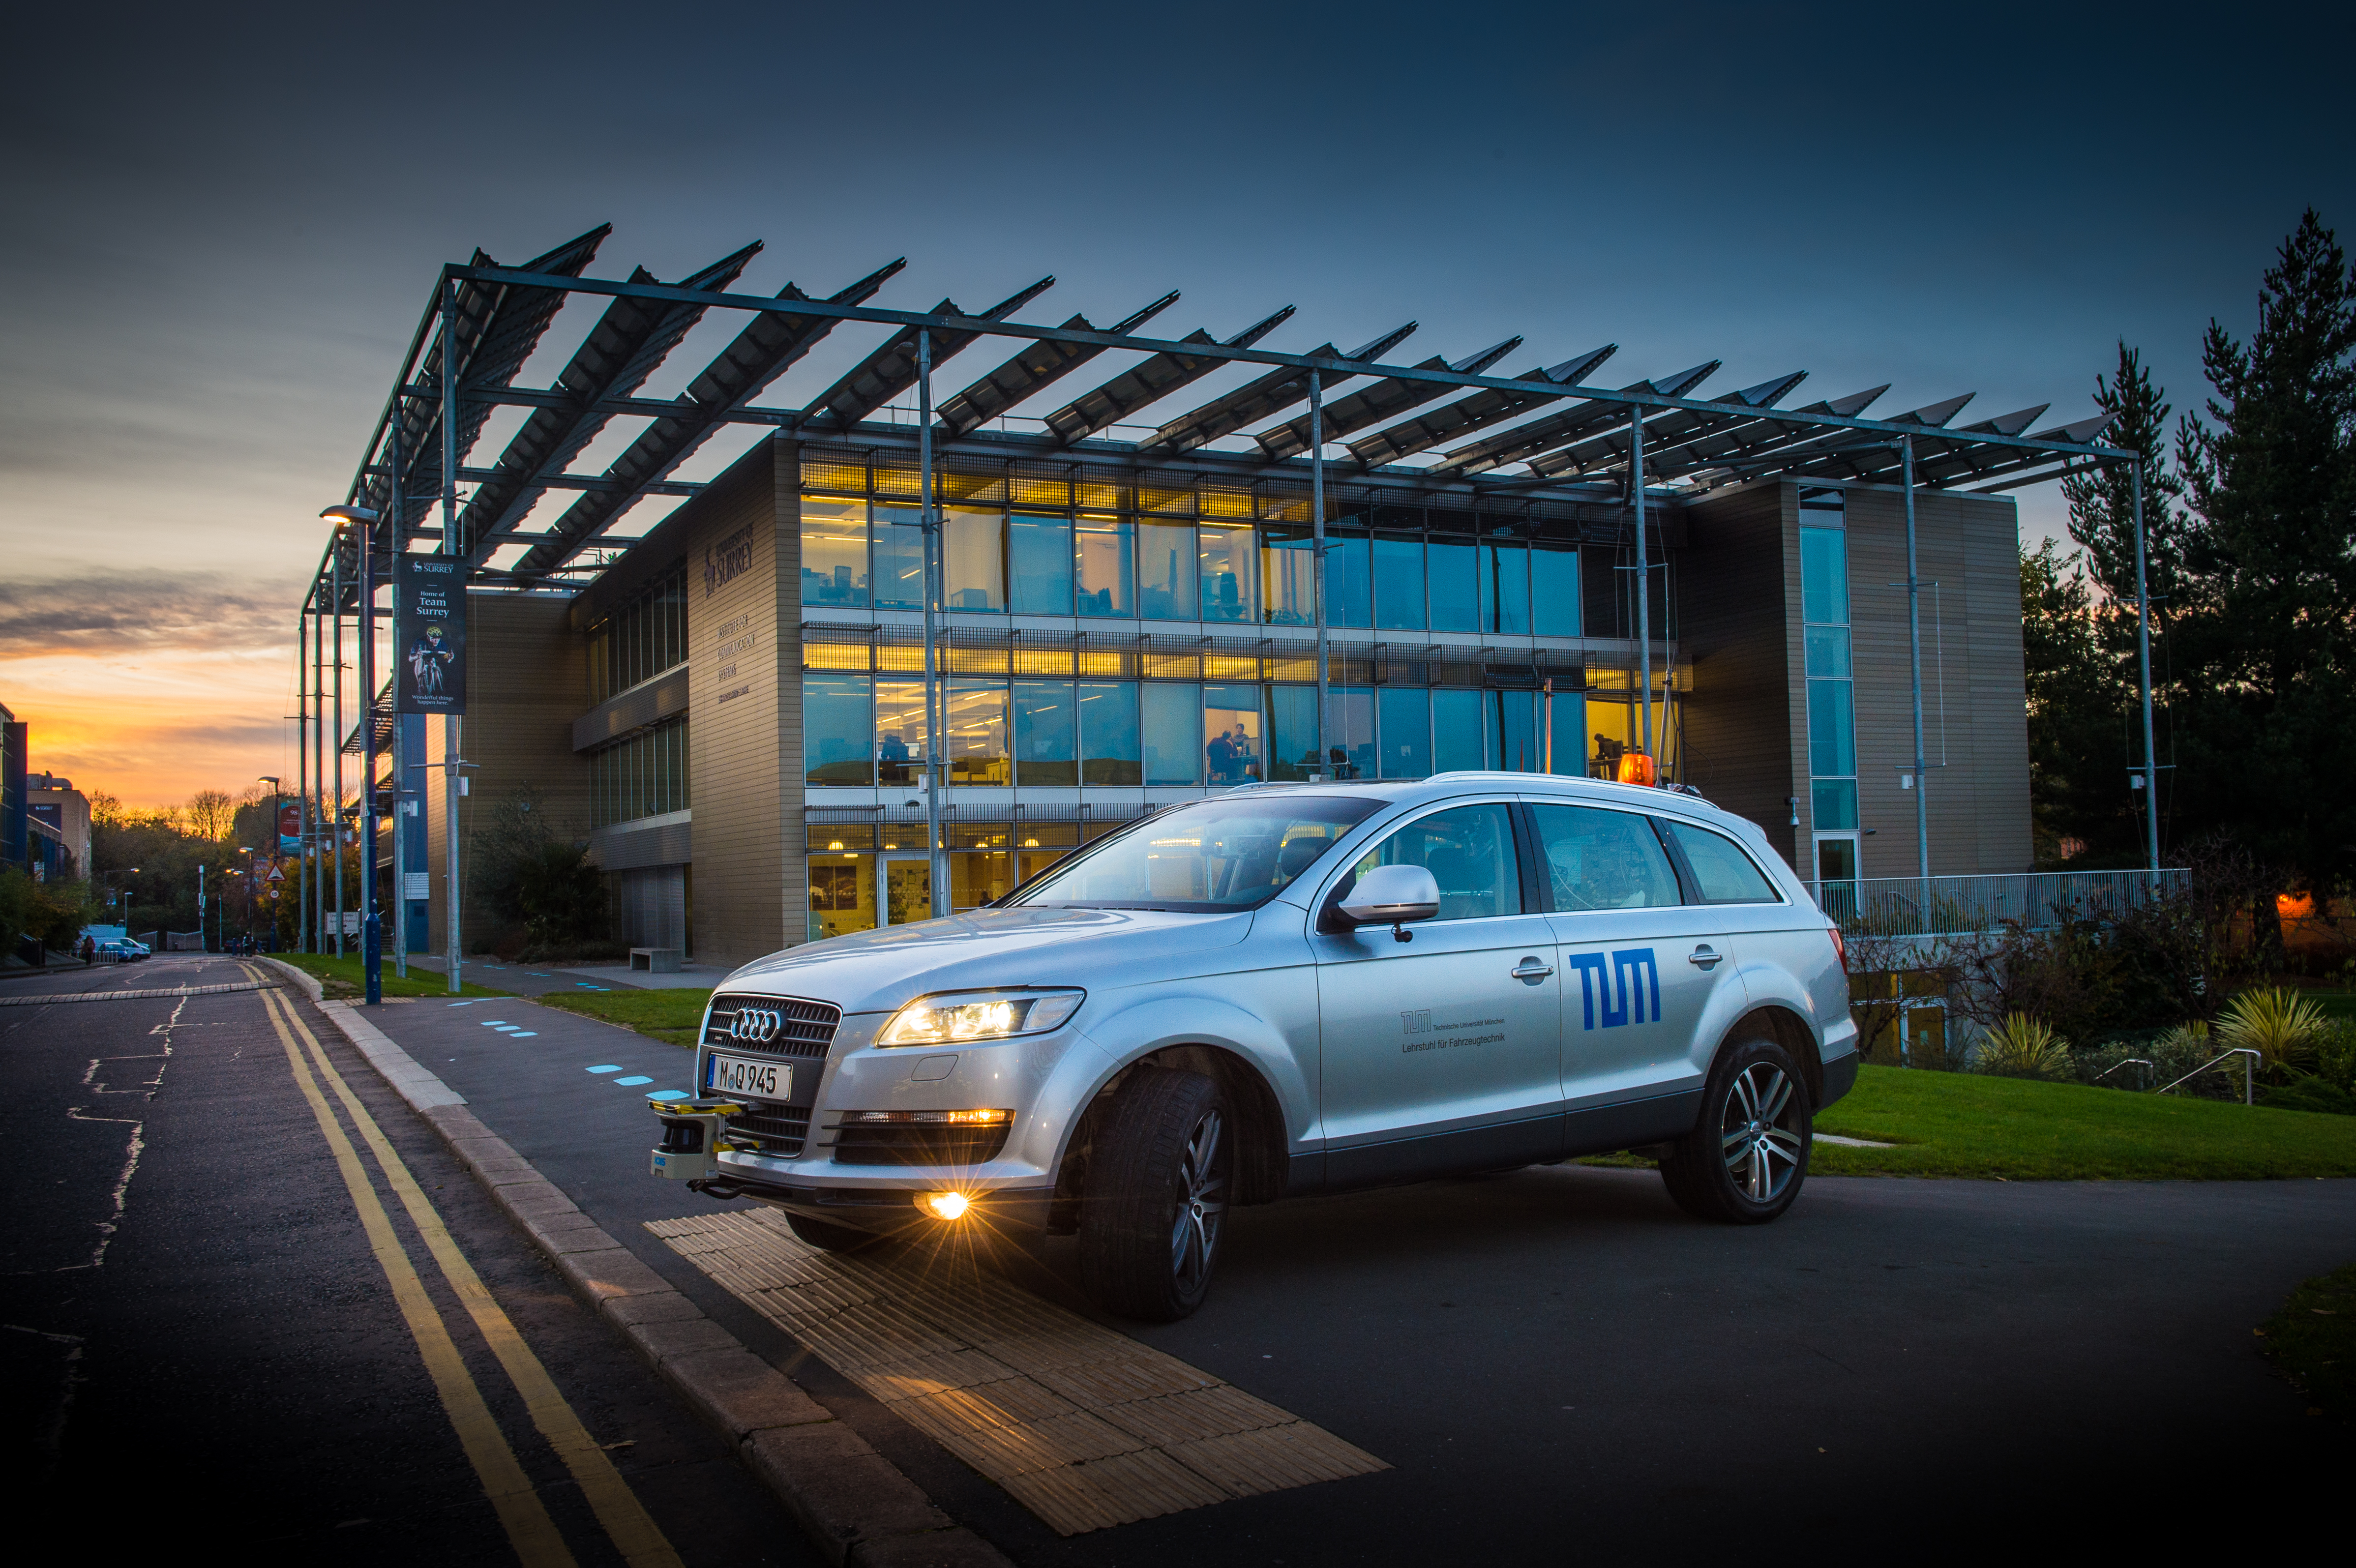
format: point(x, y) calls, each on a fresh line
point(1907, 907)
point(2143, 1079)
point(2249, 1073)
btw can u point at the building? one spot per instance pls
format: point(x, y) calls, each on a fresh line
point(15, 831)
point(731, 707)
point(65, 810)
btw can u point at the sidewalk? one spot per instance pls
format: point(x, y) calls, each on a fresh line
point(538, 979)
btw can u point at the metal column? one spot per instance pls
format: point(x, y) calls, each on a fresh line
point(336, 744)
point(936, 747)
point(302, 789)
point(1914, 645)
point(394, 511)
point(1643, 577)
point(372, 931)
point(450, 759)
point(319, 768)
point(1317, 550)
point(2143, 656)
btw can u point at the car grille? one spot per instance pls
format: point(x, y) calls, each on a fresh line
point(903, 1145)
point(806, 1029)
point(777, 1131)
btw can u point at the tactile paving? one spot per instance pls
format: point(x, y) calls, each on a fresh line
point(1085, 1427)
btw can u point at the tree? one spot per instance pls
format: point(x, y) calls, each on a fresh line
point(2266, 641)
point(2102, 504)
point(2077, 702)
point(211, 814)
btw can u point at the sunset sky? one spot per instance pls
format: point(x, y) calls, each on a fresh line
point(223, 224)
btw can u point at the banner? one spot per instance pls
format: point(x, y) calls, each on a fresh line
point(290, 828)
point(428, 596)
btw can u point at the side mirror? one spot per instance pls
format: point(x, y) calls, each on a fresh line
point(1392, 895)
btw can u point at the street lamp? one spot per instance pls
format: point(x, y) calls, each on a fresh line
point(361, 522)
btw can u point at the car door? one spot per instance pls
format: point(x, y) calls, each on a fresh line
point(1640, 965)
point(1443, 1051)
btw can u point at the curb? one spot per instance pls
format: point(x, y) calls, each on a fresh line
point(854, 1503)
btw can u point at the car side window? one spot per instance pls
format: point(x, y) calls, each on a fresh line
point(1603, 859)
point(1467, 849)
point(1725, 875)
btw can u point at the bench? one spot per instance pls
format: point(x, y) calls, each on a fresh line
point(656, 960)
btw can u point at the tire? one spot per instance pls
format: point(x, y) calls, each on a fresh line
point(1159, 1172)
point(827, 1236)
point(1745, 1160)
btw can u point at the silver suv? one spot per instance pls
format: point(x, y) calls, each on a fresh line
point(1288, 989)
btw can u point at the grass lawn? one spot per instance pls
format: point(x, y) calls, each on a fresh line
point(341, 978)
point(2313, 1338)
point(671, 1016)
point(1960, 1123)
point(2335, 1004)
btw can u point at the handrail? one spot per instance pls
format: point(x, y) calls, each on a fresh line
point(2249, 1073)
point(2141, 1078)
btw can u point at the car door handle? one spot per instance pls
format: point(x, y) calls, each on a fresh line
point(1531, 969)
point(1704, 957)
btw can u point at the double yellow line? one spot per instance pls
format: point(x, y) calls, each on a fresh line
point(530, 1530)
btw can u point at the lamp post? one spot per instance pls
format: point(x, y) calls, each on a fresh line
point(361, 521)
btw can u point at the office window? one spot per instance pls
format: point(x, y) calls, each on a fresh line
point(1165, 570)
point(1103, 560)
point(975, 726)
point(645, 775)
point(1554, 590)
point(834, 552)
point(1108, 750)
point(899, 545)
point(899, 733)
point(1453, 568)
point(1399, 584)
point(1513, 732)
point(1570, 734)
point(836, 730)
point(1456, 732)
point(1168, 713)
point(1046, 733)
point(1230, 574)
point(1232, 735)
point(1291, 733)
point(1349, 597)
point(1404, 714)
point(640, 638)
point(1350, 732)
point(1832, 716)
point(1039, 562)
point(1289, 573)
point(973, 559)
point(1505, 588)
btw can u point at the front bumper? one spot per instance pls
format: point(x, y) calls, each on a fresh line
point(885, 1209)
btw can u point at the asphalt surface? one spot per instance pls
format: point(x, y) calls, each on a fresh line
point(218, 1361)
point(1557, 1363)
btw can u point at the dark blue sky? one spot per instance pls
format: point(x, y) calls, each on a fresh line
point(221, 228)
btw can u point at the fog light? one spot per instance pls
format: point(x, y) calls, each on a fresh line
point(945, 1205)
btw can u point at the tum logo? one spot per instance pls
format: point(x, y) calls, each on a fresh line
point(1633, 981)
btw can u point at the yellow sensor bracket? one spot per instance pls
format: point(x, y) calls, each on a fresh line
point(692, 1137)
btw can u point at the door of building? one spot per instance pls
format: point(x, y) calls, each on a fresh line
point(908, 891)
point(1835, 873)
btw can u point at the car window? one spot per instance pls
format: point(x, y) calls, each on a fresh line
point(1727, 875)
point(1467, 849)
point(1603, 859)
point(1236, 852)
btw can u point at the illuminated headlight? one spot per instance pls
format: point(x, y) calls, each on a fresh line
point(961, 1016)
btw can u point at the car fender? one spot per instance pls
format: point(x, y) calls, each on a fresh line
point(1823, 1007)
point(1257, 1034)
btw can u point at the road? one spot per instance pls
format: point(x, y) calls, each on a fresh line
point(1556, 1363)
point(204, 1343)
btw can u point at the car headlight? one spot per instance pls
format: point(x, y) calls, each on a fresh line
point(956, 1017)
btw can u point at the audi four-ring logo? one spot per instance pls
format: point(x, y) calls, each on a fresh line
point(756, 1024)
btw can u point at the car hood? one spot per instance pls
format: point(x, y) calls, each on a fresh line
point(877, 971)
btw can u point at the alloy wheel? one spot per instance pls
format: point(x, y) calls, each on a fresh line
point(1202, 1203)
point(1757, 1134)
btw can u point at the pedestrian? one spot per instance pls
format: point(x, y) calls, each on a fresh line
point(88, 950)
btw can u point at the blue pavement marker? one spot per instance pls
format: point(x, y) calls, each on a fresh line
point(670, 1095)
point(641, 1079)
point(609, 1067)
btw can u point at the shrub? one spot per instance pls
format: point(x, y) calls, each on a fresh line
point(2276, 1022)
point(2023, 1047)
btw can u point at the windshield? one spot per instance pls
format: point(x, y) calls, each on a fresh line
point(1230, 854)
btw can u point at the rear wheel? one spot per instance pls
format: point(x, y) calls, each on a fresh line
point(830, 1236)
point(1160, 1171)
point(1744, 1161)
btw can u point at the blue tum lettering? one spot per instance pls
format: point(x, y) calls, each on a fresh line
point(1590, 970)
point(1637, 962)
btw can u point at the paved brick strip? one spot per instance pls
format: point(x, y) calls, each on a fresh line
point(137, 995)
point(855, 1503)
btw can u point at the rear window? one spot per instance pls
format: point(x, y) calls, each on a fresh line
point(1725, 875)
point(1214, 856)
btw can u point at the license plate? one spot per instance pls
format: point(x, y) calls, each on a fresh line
point(752, 1076)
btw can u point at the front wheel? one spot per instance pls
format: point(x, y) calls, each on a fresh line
point(1159, 1177)
point(1744, 1161)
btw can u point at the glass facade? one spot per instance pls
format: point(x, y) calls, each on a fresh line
point(641, 639)
point(1832, 710)
point(642, 776)
point(862, 554)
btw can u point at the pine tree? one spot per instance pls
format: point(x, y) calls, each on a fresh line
point(2077, 702)
point(2102, 504)
point(2265, 640)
